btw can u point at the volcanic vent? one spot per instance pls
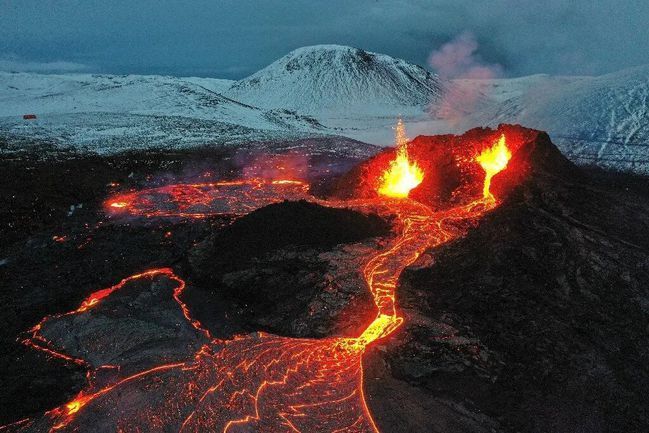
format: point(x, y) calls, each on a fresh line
point(447, 170)
point(536, 319)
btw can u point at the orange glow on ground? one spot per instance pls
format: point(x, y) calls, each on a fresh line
point(75, 405)
point(262, 382)
point(259, 381)
point(493, 160)
point(203, 200)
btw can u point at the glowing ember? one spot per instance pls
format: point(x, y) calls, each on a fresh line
point(493, 160)
point(287, 182)
point(402, 175)
point(75, 405)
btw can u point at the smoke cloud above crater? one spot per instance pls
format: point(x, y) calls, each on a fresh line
point(458, 60)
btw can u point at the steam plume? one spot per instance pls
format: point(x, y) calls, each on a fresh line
point(458, 60)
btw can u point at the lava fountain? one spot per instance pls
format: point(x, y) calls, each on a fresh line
point(402, 174)
point(493, 160)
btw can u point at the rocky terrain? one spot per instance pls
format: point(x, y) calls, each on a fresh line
point(59, 246)
point(535, 321)
point(291, 269)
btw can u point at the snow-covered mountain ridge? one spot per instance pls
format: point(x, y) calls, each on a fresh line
point(107, 113)
point(602, 120)
point(325, 90)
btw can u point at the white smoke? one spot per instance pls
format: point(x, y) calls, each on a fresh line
point(458, 63)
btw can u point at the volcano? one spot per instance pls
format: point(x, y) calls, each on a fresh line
point(536, 320)
point(507, 295)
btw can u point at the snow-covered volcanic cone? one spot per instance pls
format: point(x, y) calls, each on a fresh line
point(322, 78)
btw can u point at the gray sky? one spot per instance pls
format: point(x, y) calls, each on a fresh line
point(234, 38)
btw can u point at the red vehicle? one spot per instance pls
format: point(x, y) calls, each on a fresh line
point(29, 116)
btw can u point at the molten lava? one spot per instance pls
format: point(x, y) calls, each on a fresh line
point(402, 175)
point(203, 200)
point(258, 381)
point(493, 160)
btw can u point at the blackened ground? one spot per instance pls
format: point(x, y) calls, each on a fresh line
point(37, 194)
point(297, 223)
point(537, 321)
point(267, 266)
point(54, 254)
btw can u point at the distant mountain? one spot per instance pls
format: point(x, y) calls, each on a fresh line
point(326, 90)
point(594, 120)
point(333, 78)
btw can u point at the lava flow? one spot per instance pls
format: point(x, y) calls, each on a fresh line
point(258, 382)
point(202, 200)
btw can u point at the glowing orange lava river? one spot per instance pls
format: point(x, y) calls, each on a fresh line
point(257, 382)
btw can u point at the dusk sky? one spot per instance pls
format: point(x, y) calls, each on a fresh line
point(234, 38)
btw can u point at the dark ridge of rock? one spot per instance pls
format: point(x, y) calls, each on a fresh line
point(298, 223)
point(276, 269)
point(539, 317)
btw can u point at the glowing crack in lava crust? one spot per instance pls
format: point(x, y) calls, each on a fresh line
point(256, 382)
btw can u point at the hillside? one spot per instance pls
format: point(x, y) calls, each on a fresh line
point(104, 113)
point(322, 79)
point(323, 90)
